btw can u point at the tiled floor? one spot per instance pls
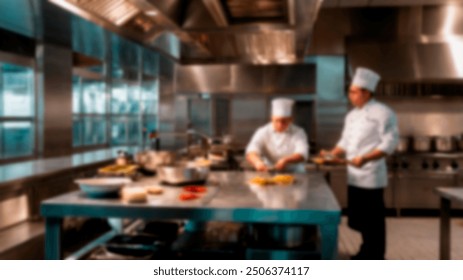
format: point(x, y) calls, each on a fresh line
point(407, 239)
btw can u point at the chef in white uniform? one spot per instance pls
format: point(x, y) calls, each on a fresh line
point(280, 144)
point(370, 134)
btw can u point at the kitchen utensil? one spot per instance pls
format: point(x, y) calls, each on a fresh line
point(123, 158)
point(135, 245)
point(150, 160)
point(101, 187)
point(446, 144)
point(422, 143)
point(404, 144)
point(182, 173)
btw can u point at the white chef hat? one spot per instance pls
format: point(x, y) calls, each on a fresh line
point(366, 78)
point(282, 107)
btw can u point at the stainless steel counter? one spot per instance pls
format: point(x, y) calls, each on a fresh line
point(447, 195)
point(15, 172)
point(229, 198)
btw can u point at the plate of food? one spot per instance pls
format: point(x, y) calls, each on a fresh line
point(328, 160)
point(276, 180)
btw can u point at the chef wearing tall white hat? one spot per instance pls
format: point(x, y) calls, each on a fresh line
point(280, 144)
point(370, 134)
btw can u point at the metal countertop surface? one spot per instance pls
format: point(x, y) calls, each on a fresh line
point(229, 197)
point(25, 170)
point(452, 193)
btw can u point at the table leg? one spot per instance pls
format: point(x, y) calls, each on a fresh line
point(329, 236)
point(53, 231)
point(444, 229)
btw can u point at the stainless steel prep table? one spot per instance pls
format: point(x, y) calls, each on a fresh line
point(447, 194)
point(229, 198)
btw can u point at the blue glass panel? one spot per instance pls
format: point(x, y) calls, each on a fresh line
point(18, 91)
point(17, 139)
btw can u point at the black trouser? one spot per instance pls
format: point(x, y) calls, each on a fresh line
point(366, 214)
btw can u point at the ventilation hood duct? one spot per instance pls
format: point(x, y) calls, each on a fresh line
point(257, 32)
point(138, 20)
point(408, 44)
point(209, 31)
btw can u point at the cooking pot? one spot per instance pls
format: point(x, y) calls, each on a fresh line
point(182, 173)
point(150, 160)
point(422, 143)
point(445, 144)
point(404, 144)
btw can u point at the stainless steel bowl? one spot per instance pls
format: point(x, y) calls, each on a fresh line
point(150, 160)
point(422, 143)
point(446, 144)
point(182, 173)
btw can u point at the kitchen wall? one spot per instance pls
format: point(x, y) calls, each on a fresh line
point(433, 117)
point(331, 102)
point(173, 109)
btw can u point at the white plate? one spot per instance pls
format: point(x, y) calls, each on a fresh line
point(97, 187)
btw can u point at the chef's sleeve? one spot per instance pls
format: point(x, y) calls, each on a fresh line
point(389, 133)
point(302, 146)
point(257, 142)
point(342, 143)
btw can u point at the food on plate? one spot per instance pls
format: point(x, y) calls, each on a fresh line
point(318, 160)
point(118, 169)
point(330, 160)
point(134, 194)
point(195, 189)
point(202, 162)
point(261, 181)
point(280, 179)
point(154, 190)
point(283, 179)
point(187, 196)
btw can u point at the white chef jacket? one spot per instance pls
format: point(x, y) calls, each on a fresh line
point(374, 126)
point(272, 145)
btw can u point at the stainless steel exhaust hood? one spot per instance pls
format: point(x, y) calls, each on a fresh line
point(245, 79)
point(217, 31)
point(422, 43)
point(138, 20)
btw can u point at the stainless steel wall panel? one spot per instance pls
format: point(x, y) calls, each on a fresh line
point(172, 110)
point(245, 79)
point(57, 100)
point(295, 78)
point(427, 116)
point(200, 115)
point(247, 114)
point(202, 78)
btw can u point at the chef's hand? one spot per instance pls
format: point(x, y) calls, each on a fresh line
point(325, 153)
point(260, 166)
point(281, 164)
point(358, 161)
